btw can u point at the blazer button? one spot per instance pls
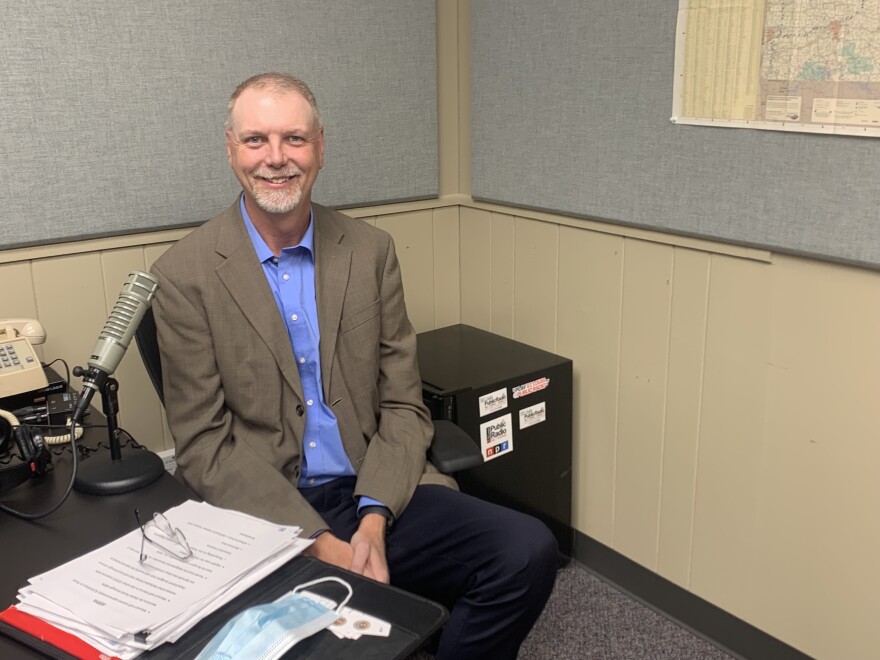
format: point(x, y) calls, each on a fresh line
point(300, 410)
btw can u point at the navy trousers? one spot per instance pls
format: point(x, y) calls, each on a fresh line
point(491, 567)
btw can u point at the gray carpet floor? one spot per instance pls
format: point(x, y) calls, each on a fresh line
point(587, 619)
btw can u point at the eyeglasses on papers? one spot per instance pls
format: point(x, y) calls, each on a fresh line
point(161, 534)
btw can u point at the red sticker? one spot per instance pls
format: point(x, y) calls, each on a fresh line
point(530, 388)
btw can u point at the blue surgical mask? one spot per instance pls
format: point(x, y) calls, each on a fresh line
point(268, 631)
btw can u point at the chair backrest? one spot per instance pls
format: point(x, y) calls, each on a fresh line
point(148, 345)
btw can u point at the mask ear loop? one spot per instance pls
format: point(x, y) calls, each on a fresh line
point(328, 579)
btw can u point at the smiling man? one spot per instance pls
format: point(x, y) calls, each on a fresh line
point(293, 393)
point(275, 146)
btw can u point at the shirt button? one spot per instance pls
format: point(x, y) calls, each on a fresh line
point(294, 317)
point(302, 360)
point(275, 260)
point(311, 482)
point(300, 410)
point(310, 402)
point(285, 277)
point(312, 445)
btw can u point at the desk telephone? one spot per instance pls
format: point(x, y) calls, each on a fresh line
point(20, 368)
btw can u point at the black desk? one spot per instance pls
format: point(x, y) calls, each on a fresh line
point(86, 522)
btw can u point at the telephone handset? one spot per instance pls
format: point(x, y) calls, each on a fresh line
point(20, 368)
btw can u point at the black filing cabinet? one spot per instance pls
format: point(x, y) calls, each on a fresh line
point(514, 400)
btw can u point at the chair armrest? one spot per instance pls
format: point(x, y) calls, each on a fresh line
point(452, 450)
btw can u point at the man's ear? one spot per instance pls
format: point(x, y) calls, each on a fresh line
point(321, 148)
point(229, 147)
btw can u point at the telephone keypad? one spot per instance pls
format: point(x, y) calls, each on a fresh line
point(12, 356)
point(20, 367)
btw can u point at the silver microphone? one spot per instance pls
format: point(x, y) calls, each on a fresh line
point(135, 298)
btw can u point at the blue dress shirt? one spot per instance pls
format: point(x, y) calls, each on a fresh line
point(291, 278)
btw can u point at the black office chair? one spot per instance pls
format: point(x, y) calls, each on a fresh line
point(452, 450)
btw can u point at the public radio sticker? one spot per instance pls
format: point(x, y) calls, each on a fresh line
point(530, 387)
point(496, 437)
point(533, 415)
point(493, 402)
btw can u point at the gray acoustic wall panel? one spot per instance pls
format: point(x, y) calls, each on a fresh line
point(113, 111)
point(571, 107)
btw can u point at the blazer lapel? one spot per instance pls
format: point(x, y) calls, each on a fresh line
point(332, 267)
point(243, 277)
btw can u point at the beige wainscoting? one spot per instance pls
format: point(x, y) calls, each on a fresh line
point(727, 400)
point(727, 410)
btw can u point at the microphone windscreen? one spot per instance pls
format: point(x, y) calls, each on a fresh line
point(133, 301)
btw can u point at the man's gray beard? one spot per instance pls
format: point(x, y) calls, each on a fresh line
point(277, 201)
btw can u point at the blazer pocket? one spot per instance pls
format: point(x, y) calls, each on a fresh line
point(359, 317)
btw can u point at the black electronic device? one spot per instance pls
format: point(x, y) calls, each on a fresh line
point(35, 397)
point(60, 406)
point(33, 459)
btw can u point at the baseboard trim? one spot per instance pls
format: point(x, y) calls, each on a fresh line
point(731, 634)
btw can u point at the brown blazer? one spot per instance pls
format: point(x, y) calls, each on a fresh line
point(233, 397)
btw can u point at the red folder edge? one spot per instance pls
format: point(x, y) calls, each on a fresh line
point(49, 634)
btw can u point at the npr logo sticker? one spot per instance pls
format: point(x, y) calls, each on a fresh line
point(497, 450)
point(496, 437)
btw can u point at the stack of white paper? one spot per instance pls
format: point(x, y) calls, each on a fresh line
point(122, 607)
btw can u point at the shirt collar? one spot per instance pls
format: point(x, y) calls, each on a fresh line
point(264, 254)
